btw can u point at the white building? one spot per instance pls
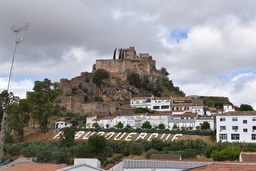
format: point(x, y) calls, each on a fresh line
point(61, 124)
point(153, 103)
point(181, 105)
point(228, 108)
point(236, 126)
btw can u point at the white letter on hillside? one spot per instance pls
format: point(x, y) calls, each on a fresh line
point(109, 135)
point(142, 136)
point(88, 135)
point(129, 136)
point(101, 133)
point(154, 134)
point(176, 135)
point(118, 135)
point(79, 134)
point(58, 135)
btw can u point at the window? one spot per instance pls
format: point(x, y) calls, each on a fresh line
point(186, 108)
point(155, 107)
point(245, 130)
point(234, 119)
point(253, 128)
point(165, 107)
point(253, 136)
point(235, 128)
point(222, 128)
point(222, 119)
point(223, 136)
point(244, 121)
point(235, 137)
point(253, 118)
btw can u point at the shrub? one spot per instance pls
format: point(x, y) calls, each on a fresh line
point(189, 153)
point(99, 75)
point(146, 125)
point(8, 137)
point(150, 152)
point(134, 79)
point(136, 149)
point(82, 151)
point(12, 149)
point(205, 125)
point(161, 126)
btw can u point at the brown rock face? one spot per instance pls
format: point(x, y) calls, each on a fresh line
point(82, 96)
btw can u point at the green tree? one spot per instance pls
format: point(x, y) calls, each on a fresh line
point(134, 79)
point(175, 126)
point(119, 125)
point(114, 55)
point(95, 125)
point(189, 153)
point(161, 126)
point(205, 125)
point(68, 136)
point(136, 148)
point(83, 151)
point(245, 107)
point(146, 125)
point(164, 71)
point(44, 101)
point(19, 117)
point(210, 104)
point(99, 75)
point(7, 100)
point(97, 143)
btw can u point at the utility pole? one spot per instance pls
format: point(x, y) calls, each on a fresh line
point(16, 41)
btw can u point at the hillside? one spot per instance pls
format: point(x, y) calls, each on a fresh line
point(82, 96)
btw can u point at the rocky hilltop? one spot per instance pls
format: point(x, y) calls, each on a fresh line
point(82, 96)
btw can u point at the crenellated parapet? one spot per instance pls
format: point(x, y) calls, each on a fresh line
point(143, 64)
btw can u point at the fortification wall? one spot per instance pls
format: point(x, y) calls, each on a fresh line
point(141, 66)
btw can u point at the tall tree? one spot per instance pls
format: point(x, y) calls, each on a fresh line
point(19, 116)
point(114, 55)
point(45, 103)
point(245, 107)
point(6, 101)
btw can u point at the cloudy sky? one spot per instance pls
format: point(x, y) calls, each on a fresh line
point(207, 46)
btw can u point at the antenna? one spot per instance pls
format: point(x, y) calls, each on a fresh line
point(16, 41)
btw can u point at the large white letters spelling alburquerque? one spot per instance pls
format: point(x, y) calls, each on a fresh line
point(122, 135)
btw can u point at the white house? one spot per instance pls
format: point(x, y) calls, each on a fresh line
point(236, 126)
point(61, 124)
point(228, 108)
point(181, 105)
point(153, 103)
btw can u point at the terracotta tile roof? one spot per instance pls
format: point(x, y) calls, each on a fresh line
point(226, 167)
point(108, 117)
point(30, 166)
point(198, 102)
point(160, 114)
point(185, 114)
point(140, 98)
point(248, 157)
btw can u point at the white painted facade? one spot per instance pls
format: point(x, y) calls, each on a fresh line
point(187, 120)
point(153, 103)
point(236, 126)
point(228, 108)
point(61, 124)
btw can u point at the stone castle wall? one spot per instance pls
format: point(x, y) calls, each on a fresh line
point(142, 66)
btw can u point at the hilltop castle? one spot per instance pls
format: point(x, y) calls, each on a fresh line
point(143, 64)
